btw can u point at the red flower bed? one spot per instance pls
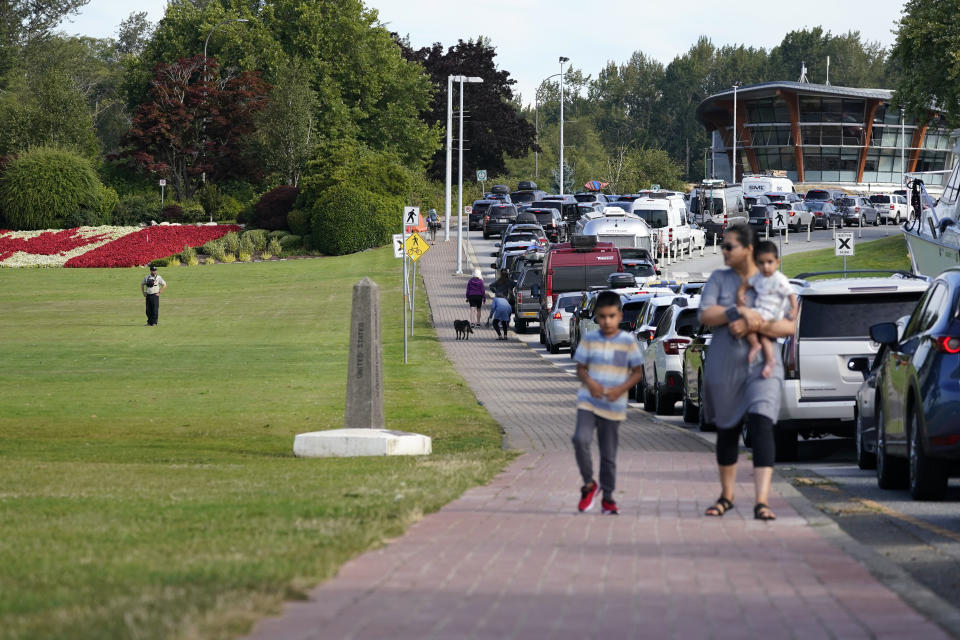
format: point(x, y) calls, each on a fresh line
point(47, 243)
point(149, 244)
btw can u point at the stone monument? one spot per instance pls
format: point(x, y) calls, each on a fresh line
point(364, 433)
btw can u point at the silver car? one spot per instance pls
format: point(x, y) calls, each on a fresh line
point(663, 360)
point(823, 361)
point(556, 330)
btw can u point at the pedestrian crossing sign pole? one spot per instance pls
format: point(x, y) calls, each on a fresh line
point(843, 246)
point(411, 215)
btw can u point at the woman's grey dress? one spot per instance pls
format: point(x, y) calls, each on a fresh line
point(732, 388)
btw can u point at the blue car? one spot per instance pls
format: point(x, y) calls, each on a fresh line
point(918, 398)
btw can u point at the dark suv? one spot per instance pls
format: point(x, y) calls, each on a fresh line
point(498, 217)
point(554, 225)
point(477, 213)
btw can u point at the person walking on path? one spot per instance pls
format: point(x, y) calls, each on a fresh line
point(735, 390)
point(151, 286)
point(476, 291)
point(608, 364)
point(500, 311)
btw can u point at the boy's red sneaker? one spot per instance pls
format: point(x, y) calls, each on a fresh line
point(588, 495)
point(609, 507)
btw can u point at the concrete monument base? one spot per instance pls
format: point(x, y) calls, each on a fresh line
point(348, 443)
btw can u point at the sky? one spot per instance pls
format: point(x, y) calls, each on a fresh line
point(530, 35)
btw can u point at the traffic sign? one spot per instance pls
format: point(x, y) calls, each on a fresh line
point(468, 209)
point(416, 246)
point(411, 215)
point(481, 175)
point(398, 245)
point(163, 183)
point(844, 244)
point(779, 220)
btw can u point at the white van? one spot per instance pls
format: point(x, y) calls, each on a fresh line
point(714, 203)
point(666, 217)
point(757, 185)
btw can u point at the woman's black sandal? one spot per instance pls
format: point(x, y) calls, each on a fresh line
point(763, 512)
point(720, 507)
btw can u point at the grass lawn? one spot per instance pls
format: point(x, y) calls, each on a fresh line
point(147, 483)
point(886, 253)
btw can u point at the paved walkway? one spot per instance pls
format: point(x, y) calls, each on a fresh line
point(514, 559)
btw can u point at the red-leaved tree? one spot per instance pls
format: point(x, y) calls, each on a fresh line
point(195, 123)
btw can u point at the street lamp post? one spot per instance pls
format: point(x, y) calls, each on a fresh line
point(461, 80)
point(903, 141)
point(446, 199)
point(734, 128)
point(562, 60)
point(203, 177)
point(536, 125)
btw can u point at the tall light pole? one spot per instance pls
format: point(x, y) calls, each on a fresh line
point(734, 129)
point(461, 79)
point(562, 60)
point(903, 141)
point(203, 177)
point(536, 125)
point(446, 198)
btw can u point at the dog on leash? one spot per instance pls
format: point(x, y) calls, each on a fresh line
point(463, 329)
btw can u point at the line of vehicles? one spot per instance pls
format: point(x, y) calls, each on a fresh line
point(875, 358)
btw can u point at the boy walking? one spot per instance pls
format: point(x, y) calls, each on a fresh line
point(608, 364)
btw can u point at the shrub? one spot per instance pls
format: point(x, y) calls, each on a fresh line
point(229, 257)
point(210, 199)
point(193, 212)
point(43, 187)
point(273, 207)
point(209, 260)
point(188, 255)
point(291, 242)
point(246, 244)
point(347, 219)
point(244, 256)
point(274, 247)
point(278, 234)
point(298, 221)
point(246, 215)
point(231, 242)
point(172, 213)
point(136, 208)
point(230, 209)
point(258, 237)
point(214, 249)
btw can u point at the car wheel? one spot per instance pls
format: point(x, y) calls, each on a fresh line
point(896, 219)
point(486, 236)
point(553, 348)
point(520, 325)
point(863, 220)
point(928, 476)
point(649, 401)
point(573, 349)
point(543, 337)
point(663, 403)
point(691, 413)
point(891, 471)
point(865, 459)
point(785, 444)
point(876, 220)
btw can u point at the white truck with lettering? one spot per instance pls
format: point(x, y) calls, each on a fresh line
point(667, 219)
point(757, 185)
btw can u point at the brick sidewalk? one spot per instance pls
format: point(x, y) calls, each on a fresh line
point(513, 559)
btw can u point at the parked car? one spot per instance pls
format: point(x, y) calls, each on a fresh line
point(555, 330)
point(892, 207)
point(783, 196)
point(760, 216)
point(566, 205)
point(823, 195)
point(918, 401)
point(825, 214)
point(499, 216)
point(524, 197)
point(527, 227)
point(663, 359)
point(526, 307)
point(865, 433)
point(694, 357)
point(477, 213)
point(800, 216)
point(590, 196)
point(819, 360)
point(642, 270)
point(551, 221)
point(646, 325)
point(858, 210)
point(581, 321)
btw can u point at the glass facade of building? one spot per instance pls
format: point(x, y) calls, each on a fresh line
point(824, 134)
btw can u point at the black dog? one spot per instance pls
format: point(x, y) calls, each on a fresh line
point(463, 329)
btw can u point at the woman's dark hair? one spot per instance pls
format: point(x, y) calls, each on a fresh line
point(743, 233)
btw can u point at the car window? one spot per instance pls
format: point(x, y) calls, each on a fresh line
point(631, 311)
point(880, 199)
point(931, 310)
point(687, 323)
point(666, 321)
point(846, 316)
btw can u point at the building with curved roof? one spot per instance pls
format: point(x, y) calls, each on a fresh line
point(823, 134)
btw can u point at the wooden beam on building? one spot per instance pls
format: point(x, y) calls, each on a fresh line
point(872, 106)
point(793, 105)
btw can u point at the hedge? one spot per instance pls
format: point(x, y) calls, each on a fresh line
point(347, 219)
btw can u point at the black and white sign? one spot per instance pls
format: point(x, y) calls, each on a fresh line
point(398, 245)
point(779, 220)
point(411, 215)
point(844, 244)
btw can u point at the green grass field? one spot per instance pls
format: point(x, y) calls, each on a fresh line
point(886, 253)
point(147, 483)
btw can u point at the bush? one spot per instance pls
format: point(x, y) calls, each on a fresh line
point(229, 257)
point(231, 242)
point(210, 199)
point(258, 237)
point(188, 255)
point(347, 219)
point(273, 207)
point(46, 188)
point(278, 234)
point(274, 248)
point(172, 213)
point(291, 242)
point(214, 249)
point(136, 208)
point(298, 221)
point(209, 260)
point(247, 215)
point(193, 212)
point(246, 244)
point(230, 209)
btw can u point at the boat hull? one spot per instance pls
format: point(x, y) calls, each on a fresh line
point(929, 256)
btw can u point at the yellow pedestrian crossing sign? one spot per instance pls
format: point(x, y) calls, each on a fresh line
point(416, 246)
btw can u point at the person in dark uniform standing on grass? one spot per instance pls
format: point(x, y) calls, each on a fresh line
point(151, 286)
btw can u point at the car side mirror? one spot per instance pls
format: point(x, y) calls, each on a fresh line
point(884, 333)
point(860, 364)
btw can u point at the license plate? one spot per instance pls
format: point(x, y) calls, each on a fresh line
point(529, 314)
point(501, 219)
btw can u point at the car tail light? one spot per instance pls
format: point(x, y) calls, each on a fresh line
point(947, 344)
point(891, 207)
point(945, 441)
point(819, 213)
point(856, 209)
point(672, 346)
point(519, 298)
point(558, 316)
point(791, 359)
